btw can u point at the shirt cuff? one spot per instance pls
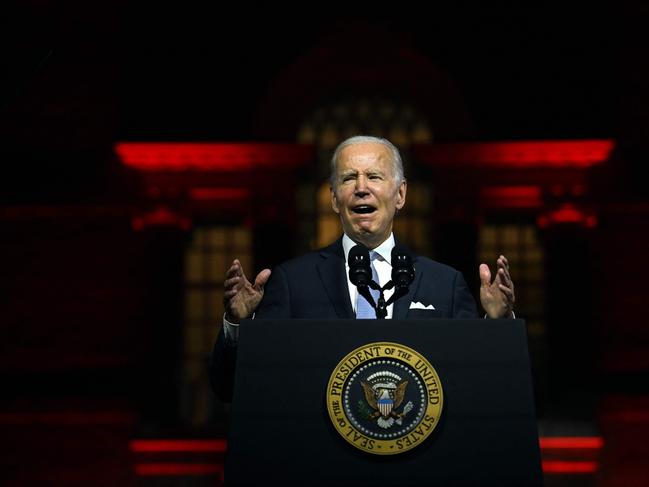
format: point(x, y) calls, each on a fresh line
point(513, 316)
point(231, 332)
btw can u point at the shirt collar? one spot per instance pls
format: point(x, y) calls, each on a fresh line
point(384, 250)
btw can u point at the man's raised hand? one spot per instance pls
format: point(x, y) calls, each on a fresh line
point(497, 297)
point(241, 297)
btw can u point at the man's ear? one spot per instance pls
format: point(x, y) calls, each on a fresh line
point(401, 195)
point(334, 200)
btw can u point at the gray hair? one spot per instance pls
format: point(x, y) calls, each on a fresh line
point(397, 163)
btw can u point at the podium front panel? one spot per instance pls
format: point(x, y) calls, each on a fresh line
point(281, 434)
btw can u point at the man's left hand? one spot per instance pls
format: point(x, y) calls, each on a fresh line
point(497, 297)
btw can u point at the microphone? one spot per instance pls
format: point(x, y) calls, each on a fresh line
point(360, 270)
point(403, 272)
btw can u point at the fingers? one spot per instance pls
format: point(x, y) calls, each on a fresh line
point(240, 298)
point(227, 295)
point(502, 277)
point(233, 283)
point(503, 272)
point(502, 263)
point(235, 277)
point(485, 275)
point(508, 292)
point(262, 279)
point(236, 280)
point(234, 270)
point(497, 297)
point(505, 284)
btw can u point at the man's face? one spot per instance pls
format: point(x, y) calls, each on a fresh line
point(366, 194)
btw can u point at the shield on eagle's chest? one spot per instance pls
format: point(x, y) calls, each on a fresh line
point(385, 403)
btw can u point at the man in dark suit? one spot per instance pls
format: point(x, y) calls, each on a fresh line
point(368, 188)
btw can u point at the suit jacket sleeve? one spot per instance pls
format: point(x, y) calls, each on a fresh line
point(464, 306)
point(221, 365)
point(222, 361)
point(276, 303)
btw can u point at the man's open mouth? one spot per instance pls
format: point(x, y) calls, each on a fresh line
point(364, 209)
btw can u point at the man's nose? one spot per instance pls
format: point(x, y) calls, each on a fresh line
point(361, 185)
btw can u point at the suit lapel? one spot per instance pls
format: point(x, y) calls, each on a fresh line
point(331, 269)
point(402, 305)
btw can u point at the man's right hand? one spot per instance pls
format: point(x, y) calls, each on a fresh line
point(241, 298)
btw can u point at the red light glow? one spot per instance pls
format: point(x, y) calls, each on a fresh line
point(148, 446)
point(568, 214)
point(564, 467)
point(211, 157)
point(220, 446)
point(571, 442)
point(212, 194)
point(521, 155)
point(161, 217)
point(511, 196)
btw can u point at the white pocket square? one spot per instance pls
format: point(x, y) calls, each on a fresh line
point(418, 305)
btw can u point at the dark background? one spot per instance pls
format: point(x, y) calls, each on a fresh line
point(79, 76)
point(200, 71)
point(80, 379)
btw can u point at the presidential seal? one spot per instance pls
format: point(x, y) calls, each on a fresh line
point(384, 398)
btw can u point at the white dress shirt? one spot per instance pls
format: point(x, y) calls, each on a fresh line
point(382, 264)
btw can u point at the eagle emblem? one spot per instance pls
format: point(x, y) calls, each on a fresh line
point(384, 398)
point(384, 392)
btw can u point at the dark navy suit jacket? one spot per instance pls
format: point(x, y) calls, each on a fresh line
point(315, 286)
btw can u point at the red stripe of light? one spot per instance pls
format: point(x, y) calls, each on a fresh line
point(161, 469)
point(205, 156)
point(152, 469)
point(567, 214)
point(563, 467)
point(220, 445)
point(512, 196)
point(528, 154)
point(571, 442)
point(139, 446)
point(210, 194)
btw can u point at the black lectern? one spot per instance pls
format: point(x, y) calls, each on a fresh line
point(281, 432)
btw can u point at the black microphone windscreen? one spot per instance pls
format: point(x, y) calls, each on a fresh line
point(360, 270)
point(403, 272)
point(359, 253)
